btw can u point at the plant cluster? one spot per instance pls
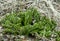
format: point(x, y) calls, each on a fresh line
point(28, 23)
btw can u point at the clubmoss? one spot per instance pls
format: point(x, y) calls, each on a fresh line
point(28, 22)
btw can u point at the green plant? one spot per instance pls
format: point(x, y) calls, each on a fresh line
point(11, 23)
point(28, 22)
point(57, 35)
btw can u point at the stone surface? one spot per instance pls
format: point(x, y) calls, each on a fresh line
point(7, 6)
point(49, 8)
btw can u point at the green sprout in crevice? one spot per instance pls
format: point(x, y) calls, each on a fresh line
point(28, 22)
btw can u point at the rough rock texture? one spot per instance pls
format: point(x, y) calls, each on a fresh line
point(49, 8)
point(7, 6)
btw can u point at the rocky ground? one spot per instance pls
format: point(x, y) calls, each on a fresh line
point(49, 8)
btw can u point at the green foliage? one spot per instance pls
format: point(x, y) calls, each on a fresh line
point(28, 17)
point(57, 35)
point(22, 23)
point(58, 39)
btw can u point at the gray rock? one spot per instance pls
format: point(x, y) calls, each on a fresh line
point(7, 6)
point(5, 39)
point(22, 37)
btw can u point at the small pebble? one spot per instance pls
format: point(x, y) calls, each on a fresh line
point(22, 37)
